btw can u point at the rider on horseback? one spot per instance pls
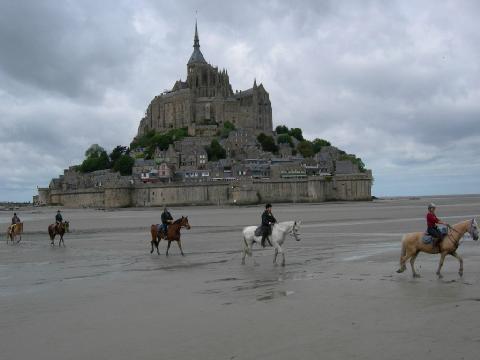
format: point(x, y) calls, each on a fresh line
point(267, 221)
point(166, 220)
point(15, 221)
point(432, 222)
point(58, 219)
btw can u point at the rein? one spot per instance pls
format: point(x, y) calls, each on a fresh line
point(455, 243)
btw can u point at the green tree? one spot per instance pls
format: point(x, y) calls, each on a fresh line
point(215, 151)
point(296, 133)
point(318, 144)
point(124, 164)
point(96, 159)
point(227, 128)
point(285, 139)
point(355, 160)
point(281, 129)
point(305, 148)
point(153, 139)
point(268, 143)
point(117, 152)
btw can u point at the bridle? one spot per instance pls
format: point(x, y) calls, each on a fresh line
point(470, 231)
point(294, 233)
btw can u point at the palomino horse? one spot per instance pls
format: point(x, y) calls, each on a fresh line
point(13, 231)
point(279, 231)
point(54, 230)
point(412, 244)
point(173, 234)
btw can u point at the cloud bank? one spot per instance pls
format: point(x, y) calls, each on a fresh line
point(396, 82)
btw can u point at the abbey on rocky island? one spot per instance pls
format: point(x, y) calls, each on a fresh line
point(206, 99)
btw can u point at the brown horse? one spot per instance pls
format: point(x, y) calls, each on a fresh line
point(412, 244)
point(58, 229)
point(173, 234)
point(13, 231)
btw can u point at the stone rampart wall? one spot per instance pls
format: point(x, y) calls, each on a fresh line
point(313, 189)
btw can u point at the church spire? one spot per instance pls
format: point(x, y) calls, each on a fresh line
point(197, 56)
point(196, 41)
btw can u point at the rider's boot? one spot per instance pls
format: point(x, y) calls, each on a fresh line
point(263, 240)
point(269, 242)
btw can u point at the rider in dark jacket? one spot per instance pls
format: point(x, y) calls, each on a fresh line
point(58, 219)
point(267, 221)
point(166, 219)
point(15, 219)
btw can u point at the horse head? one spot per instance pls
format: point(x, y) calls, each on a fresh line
point(295, 228)
point(185, 222)
point(473, 231)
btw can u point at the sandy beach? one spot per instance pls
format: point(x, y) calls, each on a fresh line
point(104, 296)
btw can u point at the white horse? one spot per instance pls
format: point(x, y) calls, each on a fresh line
point(279, 232)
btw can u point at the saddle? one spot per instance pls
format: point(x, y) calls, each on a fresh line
point(428, 239)
point(259, 231)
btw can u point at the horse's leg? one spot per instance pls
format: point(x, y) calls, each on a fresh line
point(275, 257)
point(403, 259)
point(156, 245)
point(180, 246)
point(412, 264)
point(440, 264)
point(460, 260)
point(168, 247)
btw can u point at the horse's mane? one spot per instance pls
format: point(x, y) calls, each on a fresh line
point(178, 220)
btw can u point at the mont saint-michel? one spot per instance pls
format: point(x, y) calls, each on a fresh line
point(203, 143)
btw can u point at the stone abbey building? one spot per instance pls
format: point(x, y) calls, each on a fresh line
point(205, 100)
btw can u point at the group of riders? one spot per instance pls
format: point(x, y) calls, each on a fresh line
point(268, 220)
point(265, 228)
point(16, 220)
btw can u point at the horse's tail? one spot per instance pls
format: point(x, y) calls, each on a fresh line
point(404, 249)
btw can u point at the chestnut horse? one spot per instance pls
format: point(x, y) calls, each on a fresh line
point(412, 244)
point(13, 231)
point(173, 234)
point(54, 230)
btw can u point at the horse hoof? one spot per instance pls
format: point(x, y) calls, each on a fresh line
point(460, 273)
point(416, 276)
point(400, 271)
point(440, 276)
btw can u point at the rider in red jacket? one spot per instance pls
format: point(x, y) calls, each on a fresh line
point(432, 221)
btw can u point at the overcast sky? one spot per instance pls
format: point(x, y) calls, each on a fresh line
point(395, 82)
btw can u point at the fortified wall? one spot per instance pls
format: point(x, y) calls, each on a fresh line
point(312, 189)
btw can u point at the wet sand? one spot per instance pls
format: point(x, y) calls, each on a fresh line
point(103, 296)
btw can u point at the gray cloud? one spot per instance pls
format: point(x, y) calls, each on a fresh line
point(395, 82)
